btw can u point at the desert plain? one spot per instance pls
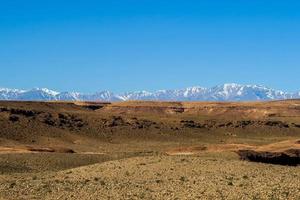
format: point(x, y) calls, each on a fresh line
point(150, 150)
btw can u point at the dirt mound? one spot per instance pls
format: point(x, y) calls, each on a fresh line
point(51, 149)
point(207, 148)
point(143, 107)
point(135, 123)
point(92, 105)
point(253, 110)
point(45, 123)
point(213, 124)
point(290, 157)
point(283, 153)
point(32, 149)
point(186, 150)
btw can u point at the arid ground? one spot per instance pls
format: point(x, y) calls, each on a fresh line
point(150, 150)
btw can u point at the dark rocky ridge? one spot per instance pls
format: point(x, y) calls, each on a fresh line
point(290, 157)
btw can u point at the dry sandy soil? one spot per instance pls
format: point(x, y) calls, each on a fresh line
point(150, 150)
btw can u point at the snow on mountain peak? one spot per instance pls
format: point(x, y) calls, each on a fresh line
point(225, 92)
point(46, 90)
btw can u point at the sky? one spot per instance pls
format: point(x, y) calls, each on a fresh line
point(130, 45)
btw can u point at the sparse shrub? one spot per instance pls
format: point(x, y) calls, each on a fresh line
point(230, 183)
point(14, 118)
point(245, 177)
point(86, 181)
point(102, 183)
point(96, 179)
point(158, 181)
point(12, 185)
point(183, 179)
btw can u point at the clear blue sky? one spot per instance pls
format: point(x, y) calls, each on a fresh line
point(126, 45)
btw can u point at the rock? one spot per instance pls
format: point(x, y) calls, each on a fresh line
point(283, 153)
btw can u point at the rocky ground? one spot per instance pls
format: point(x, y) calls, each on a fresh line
point(149, 150)
point(209, 176)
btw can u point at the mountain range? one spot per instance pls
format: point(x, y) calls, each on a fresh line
point(225, 92)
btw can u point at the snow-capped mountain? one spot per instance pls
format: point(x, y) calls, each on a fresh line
point(38, 94)
point(6, 94)
point(226, 92)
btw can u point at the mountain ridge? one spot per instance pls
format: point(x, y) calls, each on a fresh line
point(225, 92)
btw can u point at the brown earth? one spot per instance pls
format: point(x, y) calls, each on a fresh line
point(29, 149)
point(149, 150)
point(284, 153)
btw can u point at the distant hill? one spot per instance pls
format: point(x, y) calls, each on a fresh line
point(225, 92)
